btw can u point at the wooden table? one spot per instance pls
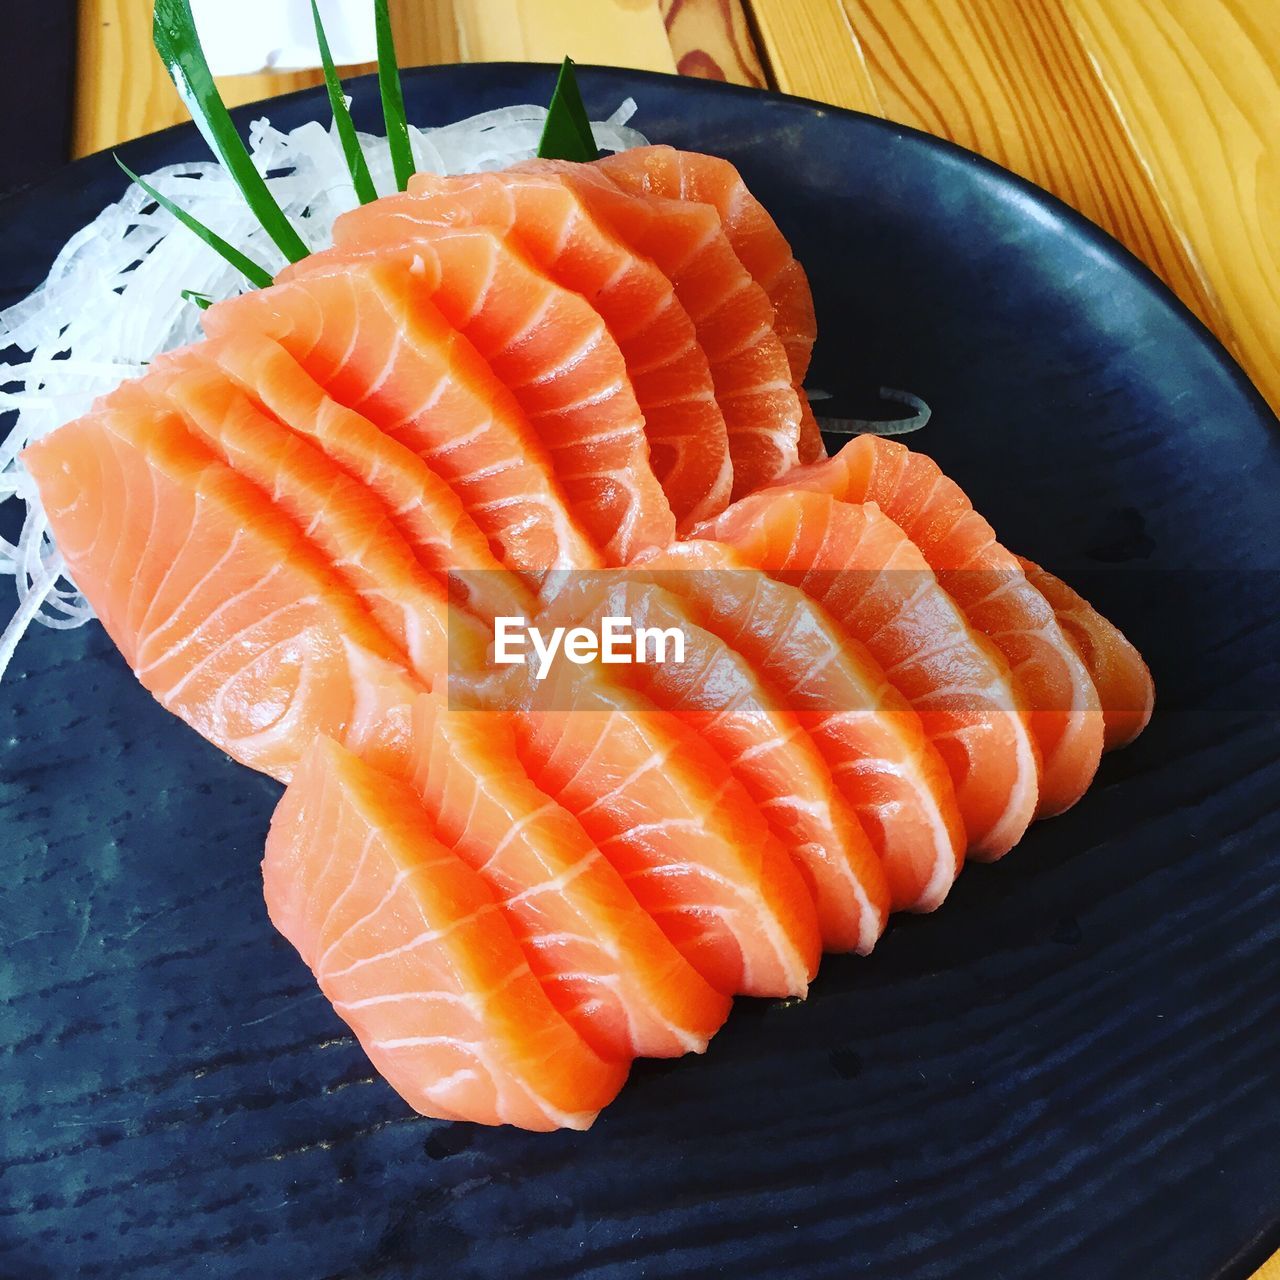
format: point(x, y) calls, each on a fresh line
point(1159, 119)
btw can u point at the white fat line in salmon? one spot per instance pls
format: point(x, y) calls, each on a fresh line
point(619, 641)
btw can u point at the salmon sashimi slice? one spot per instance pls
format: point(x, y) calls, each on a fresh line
point(371, 336)
point(872, 740)
point(607, 967)
point(715, 690)
point(683, 833)
point(550, 223)
point(553, 351)
point(1124, 684)
point(224, 610)
point(339, 515)
point(872, 578)
point(409, 944)
point(423, 508)
point(989, 585)
point(760, 245)
point(731, 314)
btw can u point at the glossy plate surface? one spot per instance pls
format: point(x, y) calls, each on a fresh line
point(1072, 1070)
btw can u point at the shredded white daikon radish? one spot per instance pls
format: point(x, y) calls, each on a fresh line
point(113, 299)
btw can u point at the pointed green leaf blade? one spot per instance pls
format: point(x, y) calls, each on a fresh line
point(257, 275)
point(177, 43)
point(393, 113)
point(567, 135)
point(201, 300)
point(356, 163)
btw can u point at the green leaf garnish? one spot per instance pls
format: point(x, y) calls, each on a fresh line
point(245, 265)
point(567, 133)
point(201, 300)
point(393, 114)
point(356, 162)
point(174, 34)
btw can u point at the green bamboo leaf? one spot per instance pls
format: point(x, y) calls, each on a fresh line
point(360, 175)
point(201, 300)
point(246, 266)
point(393, 113)
point(174, 34)
point(567, 133)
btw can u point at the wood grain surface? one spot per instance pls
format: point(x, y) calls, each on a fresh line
point(831, 67)
point(1197, 84)
point(712, 39)
point(1155, 118)
point(612, 32)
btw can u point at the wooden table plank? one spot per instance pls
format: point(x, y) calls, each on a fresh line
point(811, 49)
point(117, 97)
point(426, 32)
point(711, 39)
point(1197, 83)
point(627, 33)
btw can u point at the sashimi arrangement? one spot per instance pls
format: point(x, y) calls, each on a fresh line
point(568, 391)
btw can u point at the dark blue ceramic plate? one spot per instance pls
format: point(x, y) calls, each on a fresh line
point(1072, 1070)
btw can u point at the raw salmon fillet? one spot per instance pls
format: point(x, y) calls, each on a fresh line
point(411, 947)
point(339, 515)
point(874, 581)
point(1124, 684)
point(550, 223)
point(423, 508)
point(685, 836)
point(600, 957)
point(715, 690)
point(370, 335)
point(871, 738)
point(553, 351)
point(221, 606)
point(760, 246)
point(501, 396)
point(989, 585)
point(731, 313)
